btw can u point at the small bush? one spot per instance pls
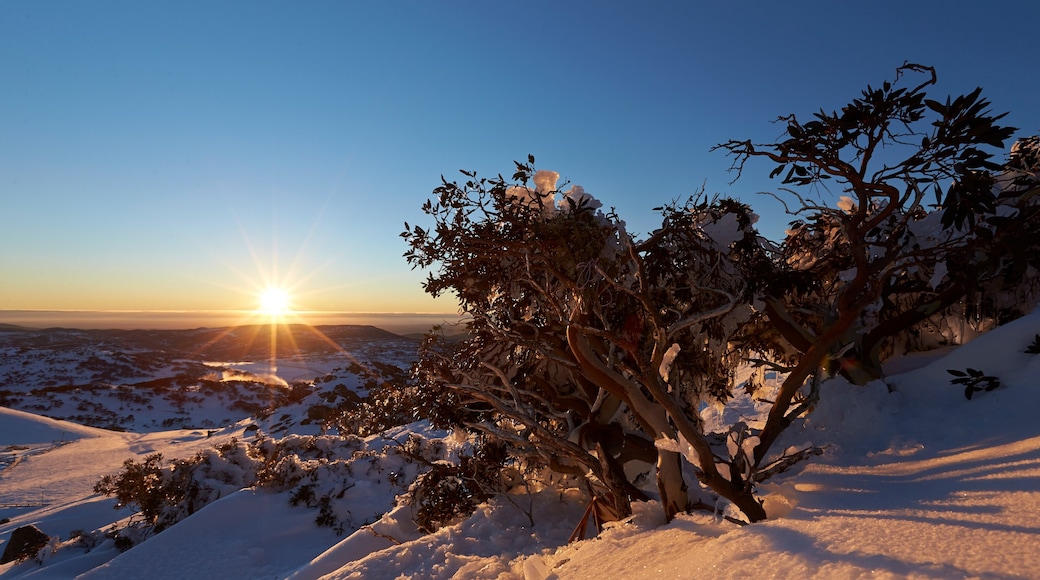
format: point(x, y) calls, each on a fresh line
point(1035, 347)
point(447, 492)
point(973, 380)
point(388, 404)
point(122, 542)
point(83, 539)
point(139, 484)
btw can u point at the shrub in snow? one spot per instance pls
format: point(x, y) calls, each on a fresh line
point(1033, 348)
point(974, 381)
point(165, 492)
point(450, 490)
point(85, 540)
point(316, 472)
point(389, 403)
point(141, 484)
point(593, 352)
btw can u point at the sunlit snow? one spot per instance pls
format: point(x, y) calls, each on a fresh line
point(918, 482)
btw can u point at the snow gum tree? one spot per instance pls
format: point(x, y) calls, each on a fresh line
point(590, 350)
point(593, 351)
point(856, 279)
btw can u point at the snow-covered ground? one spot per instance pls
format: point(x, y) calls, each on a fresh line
point(916, 483)
point(160, 380)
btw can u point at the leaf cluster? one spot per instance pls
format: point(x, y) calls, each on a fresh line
point(894, 143)
point(973, 380)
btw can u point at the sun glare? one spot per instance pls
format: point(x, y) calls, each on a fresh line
point(275, 302)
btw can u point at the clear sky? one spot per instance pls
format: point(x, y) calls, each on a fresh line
point(178, 155)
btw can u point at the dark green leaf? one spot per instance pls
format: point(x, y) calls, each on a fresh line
point(935, 106)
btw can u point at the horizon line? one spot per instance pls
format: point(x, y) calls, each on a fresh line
point(192, 319)
point(232, 311)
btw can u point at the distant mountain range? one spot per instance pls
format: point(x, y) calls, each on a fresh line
point(231, 342)
point(397, 322)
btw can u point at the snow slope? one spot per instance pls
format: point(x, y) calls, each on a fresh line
point(916, 483)
point(919, 483)
point(249, 534)
point(21, 428)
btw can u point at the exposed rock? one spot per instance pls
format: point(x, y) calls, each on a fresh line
point(25, 542)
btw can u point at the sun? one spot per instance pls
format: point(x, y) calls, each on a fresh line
point(275, 302)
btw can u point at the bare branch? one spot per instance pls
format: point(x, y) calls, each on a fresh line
point(686, 323)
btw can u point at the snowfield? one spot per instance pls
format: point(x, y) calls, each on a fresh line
point(915, 483)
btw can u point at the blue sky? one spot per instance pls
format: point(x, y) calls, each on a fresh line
point(177, 156)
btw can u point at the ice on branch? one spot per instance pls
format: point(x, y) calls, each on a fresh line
point(580, 198)
point(668, 360)
point(724, 230)
point(543, 196)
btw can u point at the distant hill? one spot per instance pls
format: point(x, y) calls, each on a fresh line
point(4, 327)
point(219, 343)
point(252, 340)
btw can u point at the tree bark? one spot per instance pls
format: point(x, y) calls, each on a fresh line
point(671, 485)
point(651, 415)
